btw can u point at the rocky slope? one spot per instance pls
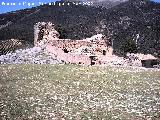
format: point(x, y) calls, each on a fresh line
point(132, 26)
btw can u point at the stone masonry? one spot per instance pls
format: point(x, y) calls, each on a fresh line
point(44, 31)
point(87, 51)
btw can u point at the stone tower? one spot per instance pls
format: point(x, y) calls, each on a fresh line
point(44, 32)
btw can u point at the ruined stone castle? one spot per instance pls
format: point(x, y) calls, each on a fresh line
point(89, 51)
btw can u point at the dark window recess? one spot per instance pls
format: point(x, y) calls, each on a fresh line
point(93, 63)
point(65, 50)
point(93, 60)
point(104, 52)
point(149, 63)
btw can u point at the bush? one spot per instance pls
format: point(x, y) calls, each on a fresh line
point(129, 46)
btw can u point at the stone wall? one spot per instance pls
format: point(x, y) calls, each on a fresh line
point(71, 51)
point(44, 31)
point(79, 51)
point(76, 46)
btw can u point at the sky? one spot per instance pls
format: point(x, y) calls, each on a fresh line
point(157, 1)
point(22, 4)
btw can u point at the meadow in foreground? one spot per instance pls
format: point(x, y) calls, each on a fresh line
point(71, 92)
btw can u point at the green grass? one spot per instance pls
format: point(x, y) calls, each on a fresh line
point(71, 92)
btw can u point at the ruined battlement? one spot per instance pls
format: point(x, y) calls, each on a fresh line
point(87, 51)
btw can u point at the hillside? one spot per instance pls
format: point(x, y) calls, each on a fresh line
point(138, 20)
point(104, 3)
point(131, 23)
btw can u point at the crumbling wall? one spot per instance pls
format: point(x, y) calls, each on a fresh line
point(69, 57)
point(92, 46)
point(143, 60)
point(44, 31)
point(71, 51)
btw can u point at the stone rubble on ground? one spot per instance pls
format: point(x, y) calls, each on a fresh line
point(35, 55)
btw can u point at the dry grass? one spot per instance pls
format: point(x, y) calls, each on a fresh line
point(70, 92)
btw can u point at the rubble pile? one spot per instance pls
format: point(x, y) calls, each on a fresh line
point(35, 55)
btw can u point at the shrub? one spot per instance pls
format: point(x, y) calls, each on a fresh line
point(129, 46)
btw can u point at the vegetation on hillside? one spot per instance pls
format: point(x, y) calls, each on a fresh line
point(129, 46)
point(128, 19)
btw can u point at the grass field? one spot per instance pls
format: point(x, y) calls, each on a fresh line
point(71, 92)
